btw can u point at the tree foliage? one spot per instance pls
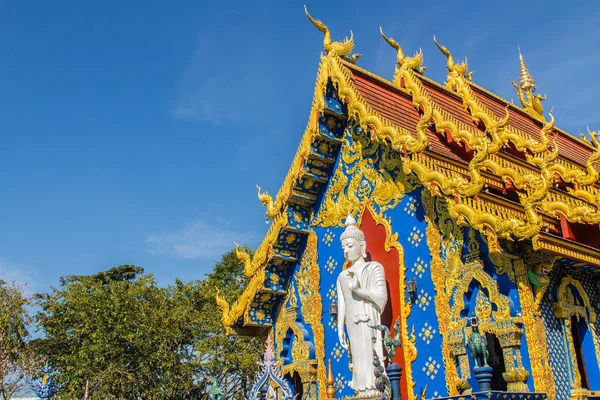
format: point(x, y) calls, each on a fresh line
point(16, 356)
point(232, 360)
point(132, 339)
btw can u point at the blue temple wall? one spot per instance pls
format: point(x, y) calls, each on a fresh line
point(559, 353)
point(408, 220)
point(507, 288)
point(331, 261)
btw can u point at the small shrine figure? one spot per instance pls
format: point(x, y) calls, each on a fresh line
point(478, 345)
point(270, 378)
point(44, 387)
point(362, 296)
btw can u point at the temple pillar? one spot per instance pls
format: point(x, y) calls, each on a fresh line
point(535, 333)
point(516, 375)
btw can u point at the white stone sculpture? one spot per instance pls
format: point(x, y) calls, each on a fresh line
point(362, 296)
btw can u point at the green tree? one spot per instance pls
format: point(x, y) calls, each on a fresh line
point(132, 339)
point(16, 356)
point(232, 360)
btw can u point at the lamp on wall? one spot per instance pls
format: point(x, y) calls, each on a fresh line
point(333, 309)
point(412, 287)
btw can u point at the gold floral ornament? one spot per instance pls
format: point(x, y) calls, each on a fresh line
point(341, 49)
point(454, 68)
point(415, 63)
point(531, 103)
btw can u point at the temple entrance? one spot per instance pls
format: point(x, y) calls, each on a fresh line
point(296, 384)
point(496, 361)
point(578, 353)
point(573, 307)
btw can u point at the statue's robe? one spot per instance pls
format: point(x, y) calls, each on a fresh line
point(360, 314)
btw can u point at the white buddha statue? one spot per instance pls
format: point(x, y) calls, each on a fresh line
point(362, 296)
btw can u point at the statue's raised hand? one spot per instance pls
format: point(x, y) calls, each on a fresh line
point(353, 282)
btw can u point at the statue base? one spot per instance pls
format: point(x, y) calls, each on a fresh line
point(484, 378)
point(367, 397)
point(497, 395)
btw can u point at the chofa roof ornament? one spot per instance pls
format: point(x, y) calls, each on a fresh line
point(341, 49)
point(415, 63)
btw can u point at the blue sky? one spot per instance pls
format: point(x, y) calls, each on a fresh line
point(135, 132)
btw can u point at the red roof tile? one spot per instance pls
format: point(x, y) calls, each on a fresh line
point(569, 147)
point(397, 107)
point(449, 102)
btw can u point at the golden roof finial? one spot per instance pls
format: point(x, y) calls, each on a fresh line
point(532, 104)
point(526, 82)
point(415, 63)
point(460, 69)
point(342, 49)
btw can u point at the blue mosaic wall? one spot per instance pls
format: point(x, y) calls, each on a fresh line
point(557, 348)
point(409, 222)
point(331, 261)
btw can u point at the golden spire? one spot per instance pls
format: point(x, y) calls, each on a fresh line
point(532, 104)
point(526, 81)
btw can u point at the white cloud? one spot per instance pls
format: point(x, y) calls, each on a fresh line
point(22, 274)
point(202, 238)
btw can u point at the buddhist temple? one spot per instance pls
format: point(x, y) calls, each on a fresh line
point(482, 215)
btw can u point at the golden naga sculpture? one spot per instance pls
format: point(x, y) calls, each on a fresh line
point(579, 176)
point(531, 103)
point(454, 68)
point(538, 188)
point(341, 49)
point(267, 201)
point(222, 304)
point(415, 63)
point(538, 192)
point(460, 83)
point(243, 257)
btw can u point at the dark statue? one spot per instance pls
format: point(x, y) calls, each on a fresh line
point(382, 382)
point(478, 345)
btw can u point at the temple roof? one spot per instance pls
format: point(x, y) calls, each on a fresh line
point(504, 170)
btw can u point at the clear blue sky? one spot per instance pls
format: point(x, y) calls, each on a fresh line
point(135, 132)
